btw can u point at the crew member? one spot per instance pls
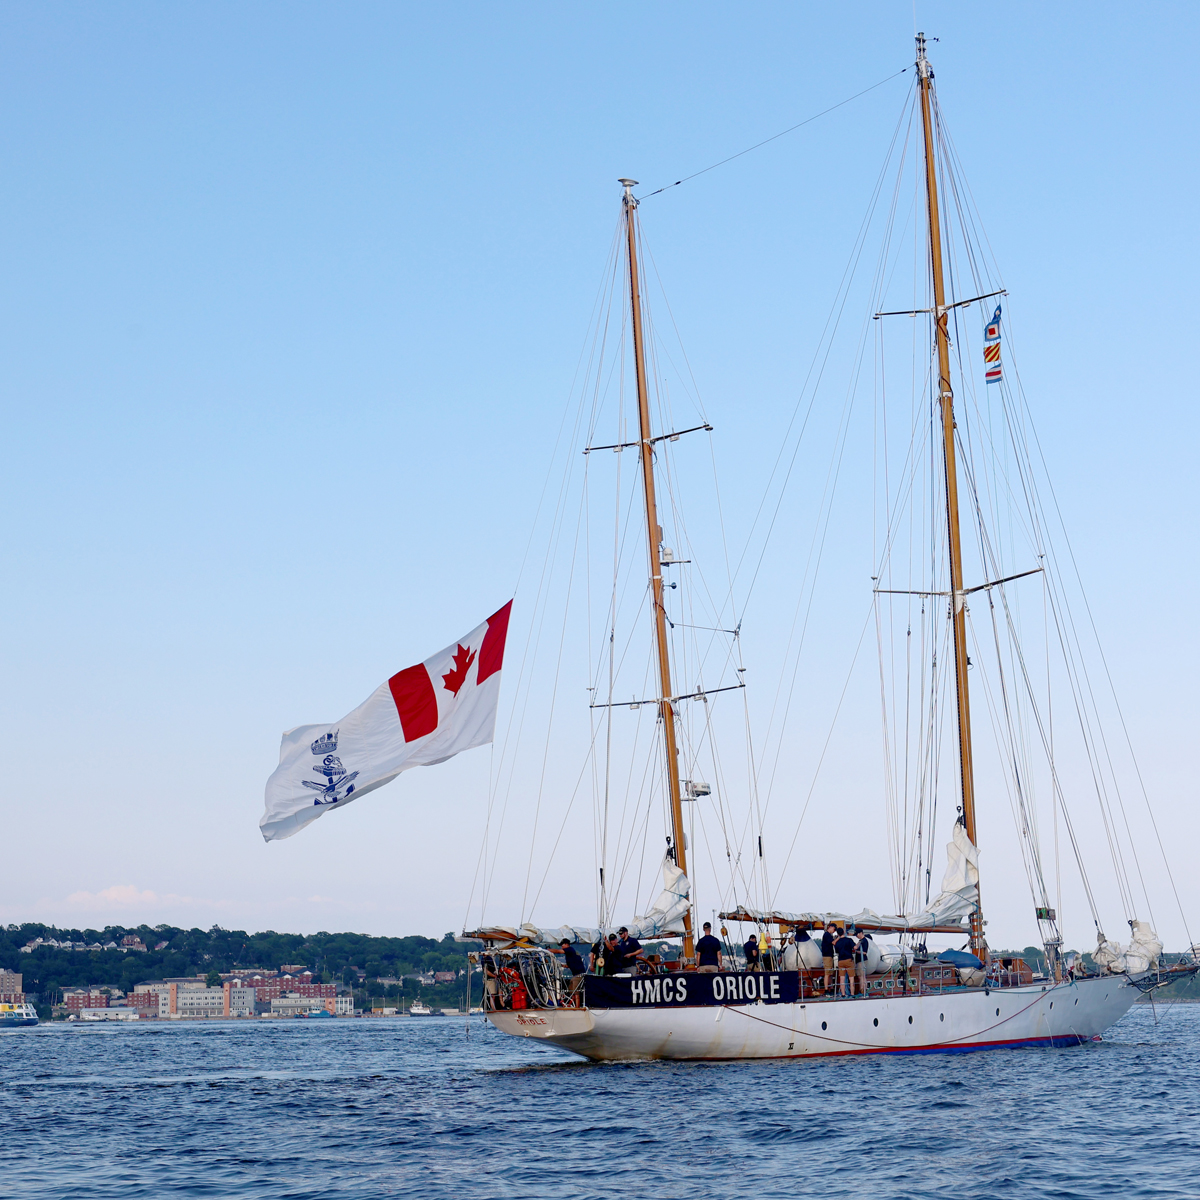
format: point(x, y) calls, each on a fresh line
point(753, 962)
point(573, 963)
point(613, 962)
point(708, 952)
point(630, 950)
point(844, 948)
point(827, 940)
point(860, 962)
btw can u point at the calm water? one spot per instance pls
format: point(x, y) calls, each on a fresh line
point(419, 1107)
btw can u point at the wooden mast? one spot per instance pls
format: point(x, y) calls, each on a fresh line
point(946, 400)
point(654, 536)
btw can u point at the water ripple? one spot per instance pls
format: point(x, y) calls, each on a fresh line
point(343, 1110)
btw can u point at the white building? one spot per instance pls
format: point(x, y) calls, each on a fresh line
point(109, 1014)
point(198, 1001)
point(241, 1001)
point(290, 1006)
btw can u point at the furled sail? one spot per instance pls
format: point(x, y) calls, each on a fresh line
point(958, 899)
point(1140, 955)
point(664, 918)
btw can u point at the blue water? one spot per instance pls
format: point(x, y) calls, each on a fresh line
point(421, 1108)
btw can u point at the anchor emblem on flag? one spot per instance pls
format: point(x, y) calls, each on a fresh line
point(338, 783)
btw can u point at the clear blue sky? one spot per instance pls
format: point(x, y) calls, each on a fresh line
point(291, 297)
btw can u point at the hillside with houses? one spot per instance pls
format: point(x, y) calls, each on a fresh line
point(65, 971)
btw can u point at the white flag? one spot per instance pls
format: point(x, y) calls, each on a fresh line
point(421, 716)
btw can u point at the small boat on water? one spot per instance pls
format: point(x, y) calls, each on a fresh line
point(912, 999)
point(417, 1009)
point(17, 1016)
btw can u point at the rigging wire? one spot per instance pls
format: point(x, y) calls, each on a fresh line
point(774, 137)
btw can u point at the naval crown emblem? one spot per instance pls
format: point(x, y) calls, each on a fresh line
point(326, 743)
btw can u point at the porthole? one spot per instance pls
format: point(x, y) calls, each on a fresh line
point(824, 1024)
point(1077, 1000)
point(910, 1020)
point(1051, 1003)
point(997, 1012)
point(941, 1016)
point(877, 1021)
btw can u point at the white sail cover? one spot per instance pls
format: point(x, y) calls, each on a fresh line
point(958, 899)
point(664, 918)
point(1140, 955)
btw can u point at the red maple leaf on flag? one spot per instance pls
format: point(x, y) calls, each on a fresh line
point(454, 679)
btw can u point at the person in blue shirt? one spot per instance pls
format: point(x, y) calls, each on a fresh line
point(708, 952)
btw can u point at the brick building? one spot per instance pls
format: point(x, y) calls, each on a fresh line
point(10, 988)
point(77, 999)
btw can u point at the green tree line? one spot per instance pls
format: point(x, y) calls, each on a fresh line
point(355, 959)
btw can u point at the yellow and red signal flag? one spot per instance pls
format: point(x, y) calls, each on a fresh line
point(993, 369)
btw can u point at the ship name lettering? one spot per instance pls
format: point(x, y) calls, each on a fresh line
point(739, 987)
point(658, 991)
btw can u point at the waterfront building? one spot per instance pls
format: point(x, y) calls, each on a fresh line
point(109, 1014)
point(11, 991)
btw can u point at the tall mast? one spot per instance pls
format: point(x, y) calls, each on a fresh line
point(666, 709)
point(946, 400)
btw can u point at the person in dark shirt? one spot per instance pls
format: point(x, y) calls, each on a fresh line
point(571, 959)
point(613, 962)
point(827, 940)
point(596, 962)
point(753, 962)
point(844, 948)
point(861, 950)
point(630, 950)
point(573, 963)
point(708, 951)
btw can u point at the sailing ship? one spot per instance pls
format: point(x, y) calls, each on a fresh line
point(914, 1000)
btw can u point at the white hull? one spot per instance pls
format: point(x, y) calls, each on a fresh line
point(1036, 1014)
